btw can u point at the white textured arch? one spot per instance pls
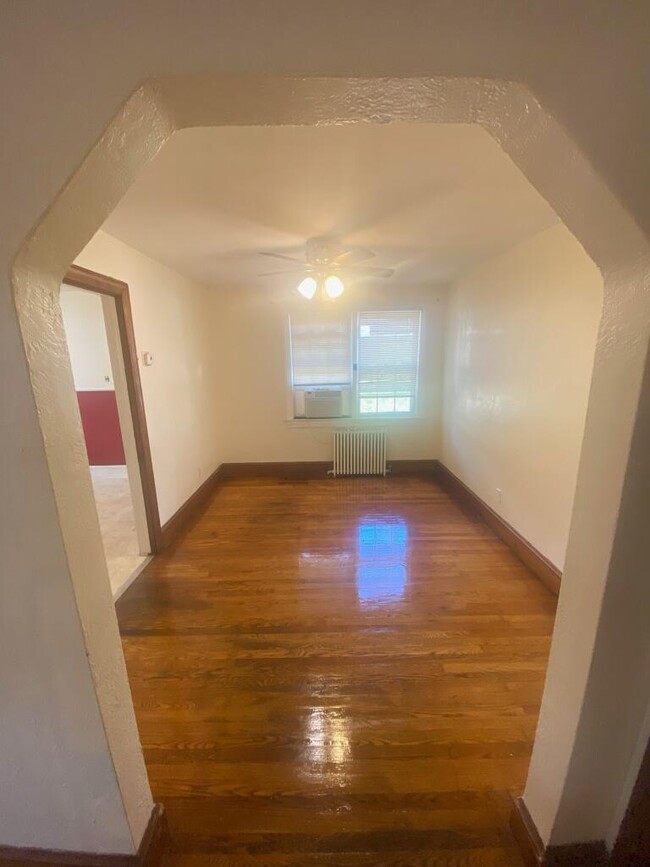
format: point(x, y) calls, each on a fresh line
point(561, 173)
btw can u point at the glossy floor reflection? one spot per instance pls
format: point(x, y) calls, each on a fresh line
point(340, 672)
point(381, 560)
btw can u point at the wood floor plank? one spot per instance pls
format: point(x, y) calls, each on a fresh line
point(340, 672)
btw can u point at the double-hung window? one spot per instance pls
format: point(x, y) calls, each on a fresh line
point(388, 351)
point(321, 350)
point(371, 357)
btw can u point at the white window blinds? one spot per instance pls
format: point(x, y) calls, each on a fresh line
point(320, 349)
point(388, 355)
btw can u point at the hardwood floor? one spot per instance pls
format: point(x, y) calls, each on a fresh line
point(339, 672)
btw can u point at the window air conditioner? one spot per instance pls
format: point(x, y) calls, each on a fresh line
point(322, 403)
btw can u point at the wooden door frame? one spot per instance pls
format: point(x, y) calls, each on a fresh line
point(83, 278)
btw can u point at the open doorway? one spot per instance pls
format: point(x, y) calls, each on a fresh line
point(98, 329)
point(417, 643)
point(61, 462)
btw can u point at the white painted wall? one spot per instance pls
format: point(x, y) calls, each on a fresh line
point(171, 319)
point(521, 337)
point(250, 338)
point(85, 331)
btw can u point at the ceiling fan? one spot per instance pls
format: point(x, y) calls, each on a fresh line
point(326, 260)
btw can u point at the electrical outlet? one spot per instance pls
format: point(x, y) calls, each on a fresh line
point(498, 495)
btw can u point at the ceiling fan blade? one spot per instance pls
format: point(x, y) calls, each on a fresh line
point(355, 254)
point(369, 271)
point(304, 270)
point(282, 256)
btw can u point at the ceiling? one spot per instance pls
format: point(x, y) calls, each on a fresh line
point(431, 200)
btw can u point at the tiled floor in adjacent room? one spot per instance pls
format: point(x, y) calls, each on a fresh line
point(117, 523)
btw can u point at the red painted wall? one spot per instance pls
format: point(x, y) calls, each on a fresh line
point(101, 426)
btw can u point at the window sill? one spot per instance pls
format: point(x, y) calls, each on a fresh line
point(350, 422)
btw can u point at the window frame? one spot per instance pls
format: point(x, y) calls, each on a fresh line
point(353, 318)
point(413, 412)
point(293, 387)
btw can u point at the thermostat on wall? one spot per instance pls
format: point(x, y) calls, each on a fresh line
point(147, 359)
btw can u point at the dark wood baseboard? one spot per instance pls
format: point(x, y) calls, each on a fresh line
point(413, 468)
point(593, 854)
point(289, 470)
point(149, 852)
point(525, 833)
point(549, 574)
point(191, 507)
point(632, 846)
point(577, 855)
point(152, 845)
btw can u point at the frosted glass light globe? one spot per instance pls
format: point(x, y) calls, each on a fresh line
point(334, 286)
point(307, 287)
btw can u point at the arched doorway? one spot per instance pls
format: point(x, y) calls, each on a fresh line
point(554, 164)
